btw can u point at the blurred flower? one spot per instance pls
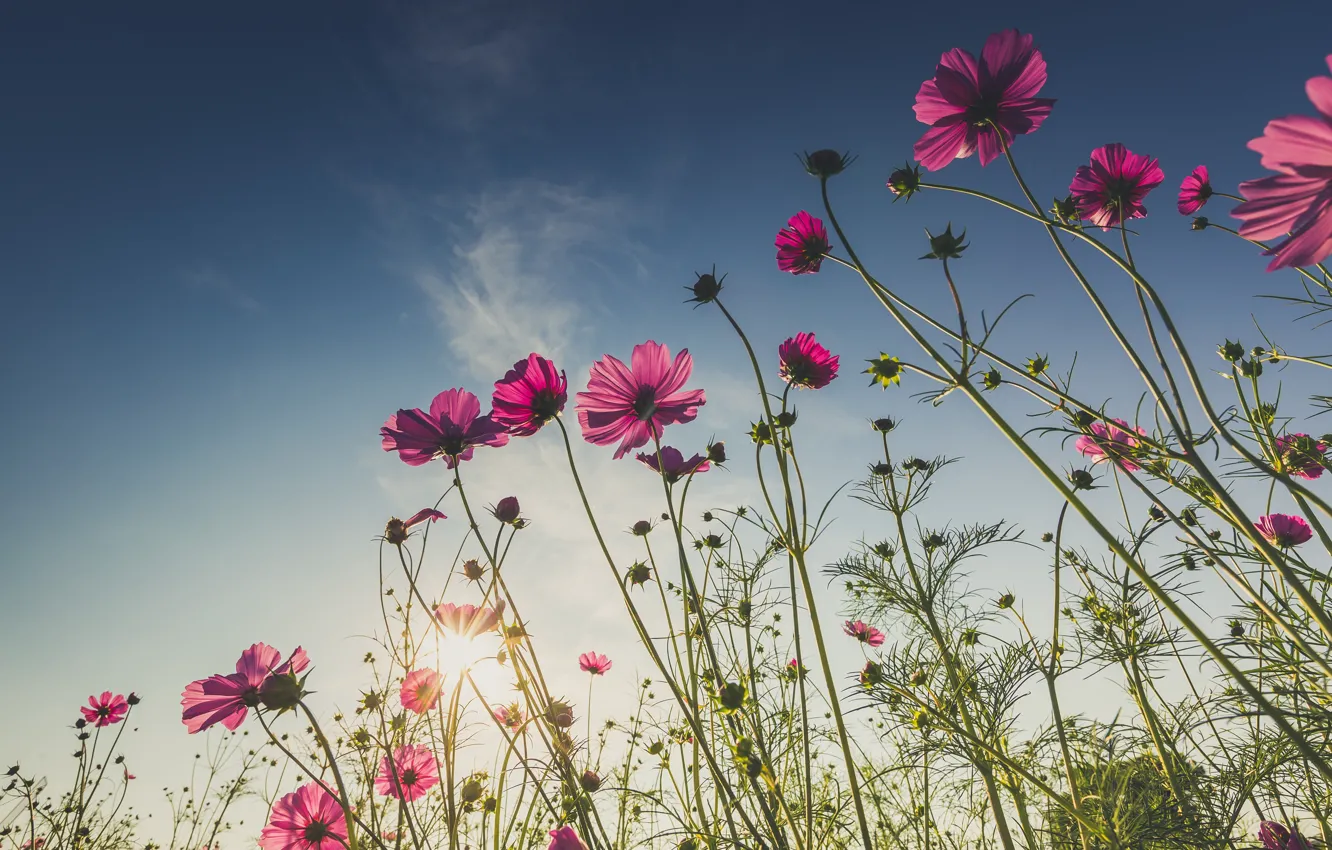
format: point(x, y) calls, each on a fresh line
point(451, 430)
point(420, 690)
point(806, 364)
point(468, 621)
point(969, 105)
point(529, 395)
point(1194, 191)
point(560, 714)
point(1302, 455)
point(1110, 442)
point(801, 244)
point(794, 670)
point(1297, 202)
point(565, 838)
point(410, 774)
point(863, 632)
point(226, 699)
point(396, 530)
point(510, 716)
point(633, 405)
point(106, 709)
point(1111, 190)
point(591, 662)
point(673, 464)
point(1284, 530)
point(1275, 836)
point(308, 818)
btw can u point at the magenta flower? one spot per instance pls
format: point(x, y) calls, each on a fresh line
point(308, 818)
point(1302, 455)
point(468, 621)
point(529, 395)
point(396, 530)
point(451, 430)
point(510, 716)
point(1110, 442)
point(1275, 836)
point(675, 465)
point(226, 699)
point(420, 690)
point(802, 244)
point(565, 838)
point(806, 364)
point(863, 632)
point(633, 405)
point(969, 105)
point(591, 662)
point(1111, 190)
point(1284, 530)
point(1194, 191)
point(106, 709)
point(411, 772)
point(1297, 201)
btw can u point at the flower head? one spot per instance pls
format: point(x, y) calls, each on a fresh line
point(1295, 203)
point(396, 530)
point(565, 838)
point(420, 690)
point(1110, 442)
point(971, 106)
point(802, 244)
point(633, 404)
point(408, 774)
point(308, 818)
point(863, 632)
point(1194, 191)
point(468, 621)
point(806, 364)
point(1302, 455)
point(451, 430)
point(591, 662)
point(226, 699)
point(510, 716)
point(106, 709)
point(884, 371)
point(1276, 836)
point(1111, 190)
point(673, 464)
point(1284, 530)
point(529, 395)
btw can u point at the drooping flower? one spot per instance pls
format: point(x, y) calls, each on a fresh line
point(969, 105)
point(1110, 442)
point(226, 699)
point(1194, 191)
point(1302, 455)
point(804, 363)
point(1276, 836)
point(1111, 190)
point(420, 690)
point(863, 632)
point(409, 774)
point(451, 430)
point(396, 530)
point(635, 403)
point(1284, 530)
point(591, 662)
point(801, 244)
point(1297, 201)
point(565, 838)
point(673, 463)
point(529, 395)
point(308, 818)
point(106, 709)
point(468, 621)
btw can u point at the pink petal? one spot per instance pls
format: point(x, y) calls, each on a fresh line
point(651, 362)
point(944, 143)
point(1273, 204)
point(1295, 140)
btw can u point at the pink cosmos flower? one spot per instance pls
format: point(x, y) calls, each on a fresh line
point(1194, 191)
point(529, 395)
point(395, 531)
point(591, 662)
point(1276, 836)
point(802, 244)
point(1302, 455)
point(1111, 190)
point(565, 838)
point(451, 430)
point(420, 690)
point(35, 844)
point(1110, 442)
point(1297, 201)
point(410, 774)
point(468, 621)
point(676, 467)
point(967, 100)
point(308, 818)
point(510, 716)
point(1284, 530)
point(806, 364)
point(106, 709)
point(863, 632)
point(633, 404)
point(226, 699)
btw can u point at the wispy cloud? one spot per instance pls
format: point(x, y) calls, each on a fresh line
point(211, 282)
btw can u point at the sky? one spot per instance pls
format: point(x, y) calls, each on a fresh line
point(236, 237)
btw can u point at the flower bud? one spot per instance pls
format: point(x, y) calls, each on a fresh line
point(1005, 601)
point(717, 452)
point(946, 246)
point(992, 380)
point(1065, 211)
point(472, 570)
point(884, 371)
point(560, 714)
point(506, 511)
point(1232, 351)
point(785, 419)
point(884, 425)
point(731, 698)
point(640, 574)
point(1081, 479)
point(904, 182)
point(641, 528)
point(590, 781)
point(1200, 223)
point(396, 532)
point(826, 163)
point(706, 288)
point(472, 790)
point(281, 692)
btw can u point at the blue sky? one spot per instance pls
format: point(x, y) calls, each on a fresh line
point(236, 238)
